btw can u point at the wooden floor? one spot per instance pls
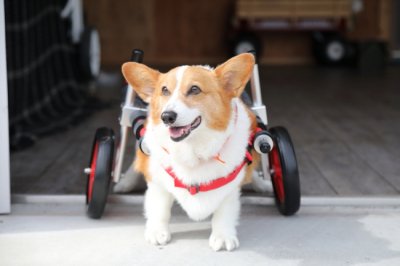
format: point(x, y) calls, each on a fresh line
point(345, 126)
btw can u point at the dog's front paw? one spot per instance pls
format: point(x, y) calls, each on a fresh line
point(157, 236)
point(219, 241)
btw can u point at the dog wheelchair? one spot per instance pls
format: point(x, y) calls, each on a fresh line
point(278, 166)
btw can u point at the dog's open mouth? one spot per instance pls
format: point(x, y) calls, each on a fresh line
point(179, 133)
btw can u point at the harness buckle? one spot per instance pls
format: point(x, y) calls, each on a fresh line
point(193, 190)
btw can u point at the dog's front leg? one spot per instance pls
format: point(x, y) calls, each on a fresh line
point(157, 207)
point(224, 222)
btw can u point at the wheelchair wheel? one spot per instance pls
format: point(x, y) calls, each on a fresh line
point(284, 172)
point(246, 42)
point(89, 54)
point(99, 174)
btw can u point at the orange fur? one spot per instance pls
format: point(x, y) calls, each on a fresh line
point(254, 154)
point(142, 78)
point(213, 102)
point(142, 164)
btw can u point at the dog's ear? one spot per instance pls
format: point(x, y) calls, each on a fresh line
point(235, 73)
point(143, 79)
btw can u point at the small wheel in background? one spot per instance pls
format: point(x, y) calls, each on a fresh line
point(284, 172)
point(329, 49)
point(99, 173)
point(90, 54)
point(335, 50)
point(245, 43)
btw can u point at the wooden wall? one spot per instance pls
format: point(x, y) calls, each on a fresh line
point(174, 31)
point(374, 22)
point(193, 31)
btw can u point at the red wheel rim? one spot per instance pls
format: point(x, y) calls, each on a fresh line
point(277, 175)
point(92, 171)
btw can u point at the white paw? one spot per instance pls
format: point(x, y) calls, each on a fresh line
point(157, 236)
point(218, 242)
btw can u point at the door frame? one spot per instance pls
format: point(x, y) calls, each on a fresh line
point(5, 189)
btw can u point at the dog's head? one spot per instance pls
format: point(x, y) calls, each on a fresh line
point(189, 98)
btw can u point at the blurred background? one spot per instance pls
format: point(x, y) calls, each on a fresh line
point(329, 73)
point(284, 32)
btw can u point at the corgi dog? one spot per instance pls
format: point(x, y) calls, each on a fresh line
point(197, 131)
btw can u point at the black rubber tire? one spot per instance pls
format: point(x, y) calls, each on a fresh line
point(326, 45)
point(86, 55)
point(98, 181)
point(373, 56)
point(288, 202)
point(252, 41)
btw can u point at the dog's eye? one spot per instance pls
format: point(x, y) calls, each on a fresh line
point(165, 91)
point(194, 90)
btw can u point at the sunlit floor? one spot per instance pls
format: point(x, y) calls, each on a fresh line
point(344, 125)
point(60, 234)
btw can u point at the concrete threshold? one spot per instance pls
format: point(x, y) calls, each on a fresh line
point(308, 201)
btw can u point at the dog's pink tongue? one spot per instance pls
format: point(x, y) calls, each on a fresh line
point(177, 132)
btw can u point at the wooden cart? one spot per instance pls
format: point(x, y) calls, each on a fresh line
point(329, 21)
point(294, 11)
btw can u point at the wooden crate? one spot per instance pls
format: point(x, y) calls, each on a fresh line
point(293, 9)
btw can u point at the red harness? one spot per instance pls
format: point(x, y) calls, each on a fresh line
point(216, 183)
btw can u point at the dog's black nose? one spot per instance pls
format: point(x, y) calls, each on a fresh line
point(169, 117)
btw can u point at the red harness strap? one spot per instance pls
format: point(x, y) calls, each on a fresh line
point(216, 183)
